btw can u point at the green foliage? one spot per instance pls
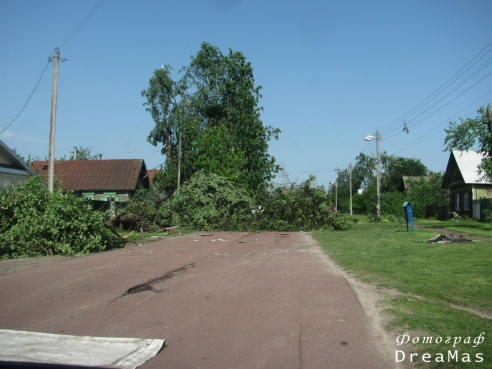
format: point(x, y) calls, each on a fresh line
point(84, 153)
point(208, 202)
point(211, 202)
point(301, 207)
point(140, 212)
point(394, 168)
point(488, 215)
point(217, 155)
point(392, 198)
point(392, 204)
point(34, 222)
point(214, 108)
point(427, 192)
point(468, 133)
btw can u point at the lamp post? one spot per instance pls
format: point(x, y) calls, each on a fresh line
point(336, 195)
point(378, 163)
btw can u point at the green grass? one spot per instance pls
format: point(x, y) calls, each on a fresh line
point(431, 278)
point(461, 226)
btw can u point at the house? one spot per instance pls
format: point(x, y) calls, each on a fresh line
point(466, 184)
point(152, 174)
point(405, 184)
point(99, 180)
point(12, 168)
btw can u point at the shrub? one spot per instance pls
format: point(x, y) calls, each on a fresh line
point(35, 222)
point(208, 202)
point(301, 207)
point(140, 212)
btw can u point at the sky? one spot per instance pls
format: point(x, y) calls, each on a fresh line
point(331, 71)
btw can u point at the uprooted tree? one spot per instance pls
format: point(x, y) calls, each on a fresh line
point(36, 222)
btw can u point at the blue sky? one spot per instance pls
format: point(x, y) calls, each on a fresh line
point(332, 72)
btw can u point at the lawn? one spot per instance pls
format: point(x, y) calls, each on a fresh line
point(435, 281)
point(470, 226)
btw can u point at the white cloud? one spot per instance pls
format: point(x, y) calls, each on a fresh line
point(22, 137)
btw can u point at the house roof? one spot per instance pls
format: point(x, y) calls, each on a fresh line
point(152, 173)
point(10, 160)
point(406, 180)
point(98, 175)
point(463, 169)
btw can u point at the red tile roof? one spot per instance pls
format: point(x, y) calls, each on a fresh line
point(83, 175)
point(152, 174)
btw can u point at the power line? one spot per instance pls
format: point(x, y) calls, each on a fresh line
point(64, 42)
point(449, 102)
point(81, 24)
point(437, 129)
point(398, 129)
point(391, 127)
point(27, 102)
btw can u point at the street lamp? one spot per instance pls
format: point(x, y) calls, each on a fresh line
point(336, 195)
point(378, 163)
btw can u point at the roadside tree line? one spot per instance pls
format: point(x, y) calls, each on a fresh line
point(216, 172)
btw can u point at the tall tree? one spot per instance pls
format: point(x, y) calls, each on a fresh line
point(471, 133)
point(162, 105)
point(214, 105)
point(84, 153)
point(395, 167)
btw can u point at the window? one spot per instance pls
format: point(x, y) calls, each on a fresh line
point(457, 201)
point(466, 201)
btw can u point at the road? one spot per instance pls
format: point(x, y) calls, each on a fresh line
point(221, 300)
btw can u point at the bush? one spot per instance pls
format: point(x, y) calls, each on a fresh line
point(208, 202)
point(140, 212)
point(301, 207)
point(212, 202)
point(34, 222)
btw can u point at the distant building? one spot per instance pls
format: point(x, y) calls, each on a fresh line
point(99, 180)
point(407, 180)
point(152, 174)
point(12, 168)
point(466, 185)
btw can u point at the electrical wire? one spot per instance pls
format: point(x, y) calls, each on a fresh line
point(64, 42)
point(398, 129)
point(29, 99)
point(443, 87)
point(449, 102)
point(437, 129)
point(81, 24)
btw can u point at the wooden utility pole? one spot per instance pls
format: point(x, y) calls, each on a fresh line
point(179, 160)
point(51, 163)
point(378, 174)
point(489, 126)
point(350, 184)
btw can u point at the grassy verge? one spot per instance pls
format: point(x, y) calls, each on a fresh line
point(465, 226)
point(434, 280)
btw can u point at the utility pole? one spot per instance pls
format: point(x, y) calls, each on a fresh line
point(283, 177)
point(378, 174)
point(489, 126)
point(51, 153)
point(179, 160)
point(350, 184)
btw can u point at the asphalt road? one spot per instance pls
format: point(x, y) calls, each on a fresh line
point(221, 300)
